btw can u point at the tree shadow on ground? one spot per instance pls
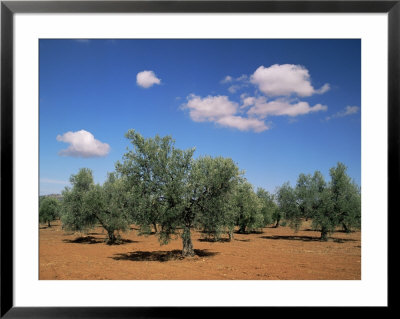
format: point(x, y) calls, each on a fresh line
point(249, 232)
point(245, 240)
point(122, 241)
point(341, 240)
point(346, 231)
point(146, 233)
point(94, 240)
point(211, 240)
point(307, 238)
point(84, 240)
point(336, 231)
point(160, 256)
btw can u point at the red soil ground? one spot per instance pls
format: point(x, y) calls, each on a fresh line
point(275, 253)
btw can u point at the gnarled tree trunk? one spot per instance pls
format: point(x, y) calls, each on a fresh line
point(230, 233)
point(242, 229)
point(324, 234)
point(111, 238)
point(187, 250)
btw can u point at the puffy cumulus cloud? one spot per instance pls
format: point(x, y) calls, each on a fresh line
point(247, 101)
point(82, 144)
point(262, 108)
point(279, 91)
point(285, 80)
point(243, 123)
point(147, 79)
point(349, 110)
point(209, 108)
point(222, 111)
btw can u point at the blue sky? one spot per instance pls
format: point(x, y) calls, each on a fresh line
point(278, 108)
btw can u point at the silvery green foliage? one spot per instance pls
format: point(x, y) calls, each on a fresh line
point(169, 188)
point(287, 204)
point(327, 205)
point(85, 204)
point(249, 207)
point(319, 200)
point(212, 182)
point(346, 197)
point(108, 205)
point(335, 204)
point(73, 216)
point(156, 174)
point(268, 205)
point(49, 208)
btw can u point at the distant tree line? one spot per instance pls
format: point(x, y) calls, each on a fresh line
point(166, 191)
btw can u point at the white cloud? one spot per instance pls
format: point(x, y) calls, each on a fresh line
point(285, 80)
point(82, 144)
point(220, 110)
point(278, 91)
point(241, 82)
point(209, 108)
point(241, 78)
point(243, 123)
point(234, 88)
point(262, 108)
point(227, 79)
point(247, 101)
point(325, 88)
point(349, 110)
point(147, 79)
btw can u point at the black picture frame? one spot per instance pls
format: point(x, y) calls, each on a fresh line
point(9, 8)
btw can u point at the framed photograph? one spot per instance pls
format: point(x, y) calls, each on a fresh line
point(165, 157)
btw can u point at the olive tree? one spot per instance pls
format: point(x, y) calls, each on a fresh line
point(315, 202)
point(108, 205)
point(309, 199)
point(150, 168)
point(268, 205)
point(168, 187)
point(333, 204)
point(249, 207)
point(346, 197)
point(73, 216)
point(287, 205)
point(86, 204)
point(216, 213)
point(328, 205)
point(48, 209)
point(305, 192)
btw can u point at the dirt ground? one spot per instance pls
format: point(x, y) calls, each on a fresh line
point(275, 253)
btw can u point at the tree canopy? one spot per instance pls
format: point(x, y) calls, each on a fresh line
point(171, 188)
point(328, 205)
point(49, 210)
point(160, 187)
point(86, 204)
